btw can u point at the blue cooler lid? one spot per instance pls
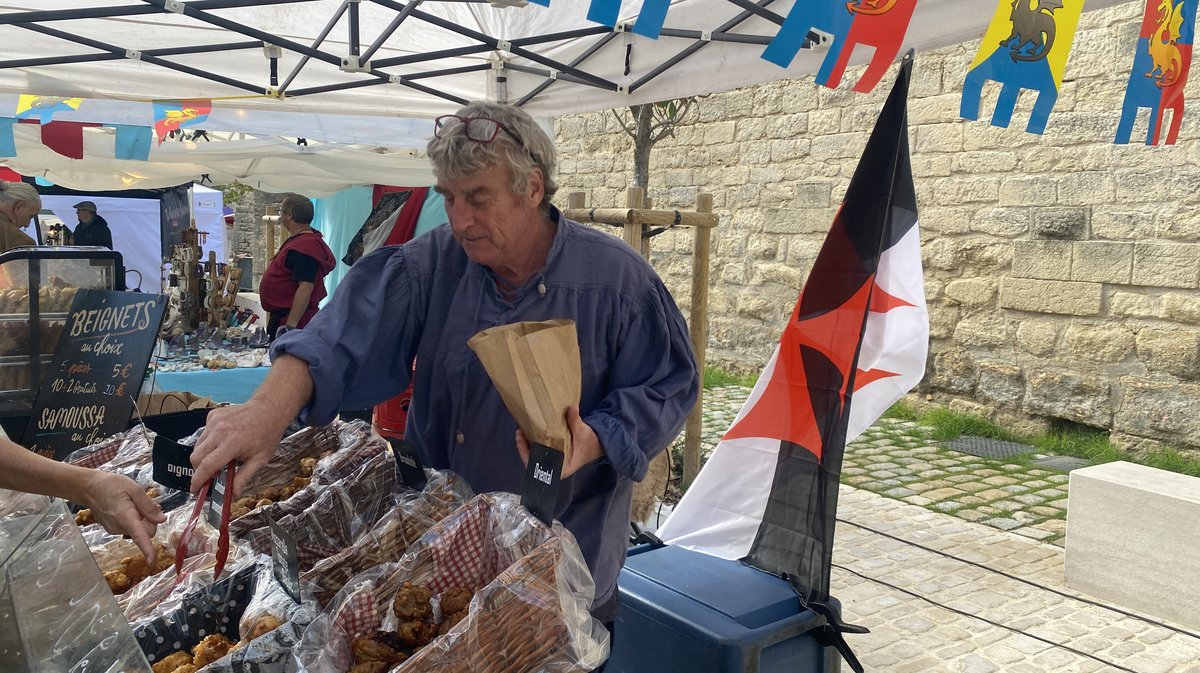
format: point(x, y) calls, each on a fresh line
point(745, 595)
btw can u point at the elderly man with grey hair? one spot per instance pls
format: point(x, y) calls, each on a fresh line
point(19, 202)
point(507, 255)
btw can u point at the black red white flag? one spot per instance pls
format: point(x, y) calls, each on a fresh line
point(856, 343)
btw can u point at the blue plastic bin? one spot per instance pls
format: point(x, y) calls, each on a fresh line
point(690, 612)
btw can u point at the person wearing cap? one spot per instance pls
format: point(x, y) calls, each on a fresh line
point(92, 229)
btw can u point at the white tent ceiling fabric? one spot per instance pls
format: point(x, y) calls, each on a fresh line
point(369, 103)
point(270, 164)
point(715, 67)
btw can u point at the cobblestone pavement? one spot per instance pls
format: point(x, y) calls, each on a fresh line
point(955, 563)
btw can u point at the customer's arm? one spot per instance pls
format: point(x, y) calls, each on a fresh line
point(118, 504)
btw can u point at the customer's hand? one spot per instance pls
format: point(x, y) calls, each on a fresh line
point(122, 507)
point(247, 433)
point(585, 445)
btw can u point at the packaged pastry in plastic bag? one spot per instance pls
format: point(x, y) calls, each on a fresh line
point(352, 446)
point(342, 512)
point(519, 591)
point(202, 626)
point(142, 588)
point(118, 453)
point(410, 518)
point(246, 622)
point(129, 453)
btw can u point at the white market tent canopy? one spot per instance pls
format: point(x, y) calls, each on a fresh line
point(415, 59)
point(270, 163)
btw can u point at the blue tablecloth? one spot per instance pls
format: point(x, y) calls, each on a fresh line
point(222, 385)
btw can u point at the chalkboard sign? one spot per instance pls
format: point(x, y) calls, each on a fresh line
point(93, 382)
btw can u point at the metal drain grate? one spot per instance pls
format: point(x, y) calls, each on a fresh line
point(985, 447)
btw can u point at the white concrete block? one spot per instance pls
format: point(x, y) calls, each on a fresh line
point(1133, 539)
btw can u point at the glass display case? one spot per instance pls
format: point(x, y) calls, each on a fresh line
point(37, 285)
point(57, 614)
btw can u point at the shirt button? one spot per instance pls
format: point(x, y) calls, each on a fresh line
point(460, 437)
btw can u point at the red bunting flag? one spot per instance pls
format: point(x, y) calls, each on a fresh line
point(65, 138)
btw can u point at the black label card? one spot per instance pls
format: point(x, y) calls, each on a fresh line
point(216, 499)
point(408, 464)
point(284, 567)
point(172, 463)
point(542, 475)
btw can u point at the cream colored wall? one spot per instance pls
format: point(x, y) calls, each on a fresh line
point(1062, 271)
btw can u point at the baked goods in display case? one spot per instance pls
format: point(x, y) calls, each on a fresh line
point(37, 288)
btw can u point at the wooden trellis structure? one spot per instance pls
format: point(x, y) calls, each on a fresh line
point(638, 219)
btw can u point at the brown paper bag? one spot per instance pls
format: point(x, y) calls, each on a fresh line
point(535, 366)
point(153, 404)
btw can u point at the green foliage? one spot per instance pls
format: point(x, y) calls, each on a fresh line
point(901, 411)
point(1092, 445)
point(947, 425)
point(234, 191)
point(1172, 460)
point(669, 109)
point(716, 378)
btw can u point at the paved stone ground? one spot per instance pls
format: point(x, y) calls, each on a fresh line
point(955, 563)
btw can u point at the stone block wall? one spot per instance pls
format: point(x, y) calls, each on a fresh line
point(1062, 271)
point(249, 231)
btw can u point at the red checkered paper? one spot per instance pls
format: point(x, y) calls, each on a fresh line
point(530, 583)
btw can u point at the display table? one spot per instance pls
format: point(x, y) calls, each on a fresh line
point(222, 385)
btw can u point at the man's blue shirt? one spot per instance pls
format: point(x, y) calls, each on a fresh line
point(423, 300)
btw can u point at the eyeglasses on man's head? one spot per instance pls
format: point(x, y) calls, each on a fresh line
point(479, 129)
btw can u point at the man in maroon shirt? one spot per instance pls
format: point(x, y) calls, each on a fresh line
point(294, 284)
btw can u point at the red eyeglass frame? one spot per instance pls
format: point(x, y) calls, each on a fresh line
point(438, 127)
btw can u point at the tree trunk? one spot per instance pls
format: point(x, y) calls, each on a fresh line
point(644, 116)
